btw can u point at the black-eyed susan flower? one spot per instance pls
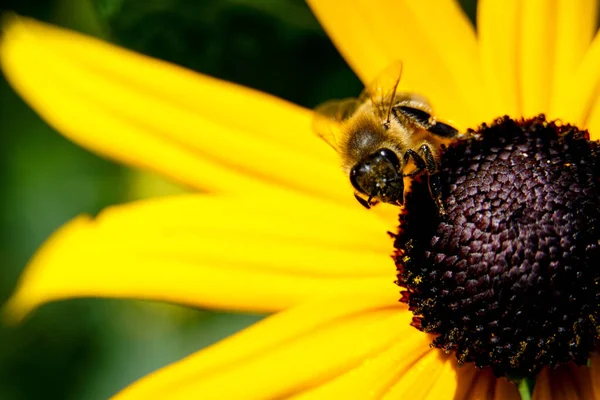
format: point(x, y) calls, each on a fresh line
point(279, 232)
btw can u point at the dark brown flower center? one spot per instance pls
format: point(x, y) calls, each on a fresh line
point(510, 277)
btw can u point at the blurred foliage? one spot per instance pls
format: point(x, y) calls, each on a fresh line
point(89, 349)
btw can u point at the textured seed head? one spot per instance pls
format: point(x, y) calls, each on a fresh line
point(510, 277)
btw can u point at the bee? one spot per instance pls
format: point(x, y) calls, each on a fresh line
point(384, 136)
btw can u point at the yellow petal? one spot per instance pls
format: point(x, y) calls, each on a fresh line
point(245, 254)
point(590, 117)
point(558, 384)
point(282, 355)
point(583, 380)
point(575, 28)
point(593, 122)
point(144, 112)
point(497, 29)
point(375, 375)
point(535, 54)
point(434, 39)
point(530, 51)
point(595, 374)
point(418, 380)
point(542, 390)
point(578, 104)
point(483, 386)
point(506, 390)
point(454, 381)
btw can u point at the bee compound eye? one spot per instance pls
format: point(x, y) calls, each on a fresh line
point(390, 156)
point(355, 173)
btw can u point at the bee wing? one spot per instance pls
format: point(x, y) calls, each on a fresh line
point(329, 116)
point(382, 91)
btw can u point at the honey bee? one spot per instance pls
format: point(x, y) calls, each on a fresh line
point(384, 136)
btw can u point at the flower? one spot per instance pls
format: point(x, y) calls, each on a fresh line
point(279, 231)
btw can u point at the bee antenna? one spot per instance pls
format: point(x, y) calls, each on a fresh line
point(386, 124)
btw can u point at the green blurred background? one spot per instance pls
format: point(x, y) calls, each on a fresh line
point(89, 349)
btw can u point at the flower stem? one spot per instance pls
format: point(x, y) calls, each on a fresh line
point(525, 386)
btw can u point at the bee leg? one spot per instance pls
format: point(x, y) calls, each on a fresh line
point(420, 164)
point(424, 120)
point(435, 188)
point(427, 162)
point(435, 182)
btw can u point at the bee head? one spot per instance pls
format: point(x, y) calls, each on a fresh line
point(378, 177)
